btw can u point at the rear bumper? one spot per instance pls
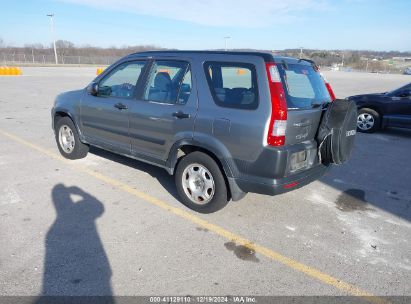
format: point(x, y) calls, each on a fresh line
point(281, 185)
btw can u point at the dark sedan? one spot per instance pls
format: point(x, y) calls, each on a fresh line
point(380, 110)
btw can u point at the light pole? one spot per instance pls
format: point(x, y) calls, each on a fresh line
point(53, 36)
point(301, 52)
point(225, 41)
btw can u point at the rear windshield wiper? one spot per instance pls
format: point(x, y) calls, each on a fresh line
point(308, 60)
point(323, 105)
point(285, 65)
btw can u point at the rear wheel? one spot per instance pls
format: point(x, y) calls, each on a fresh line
point(68, 141)
point(200, 183)
point(368, 120)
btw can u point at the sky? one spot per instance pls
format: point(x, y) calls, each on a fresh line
point(381, 25)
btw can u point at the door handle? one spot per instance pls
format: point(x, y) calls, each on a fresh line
point(121, 106)
point(181, 115)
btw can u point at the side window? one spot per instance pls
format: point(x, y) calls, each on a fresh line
point(234, 77)
point(122, 81)
point(169, 82)
point(233, 85)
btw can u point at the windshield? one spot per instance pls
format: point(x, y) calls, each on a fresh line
point(403, 88)
point(304, 87)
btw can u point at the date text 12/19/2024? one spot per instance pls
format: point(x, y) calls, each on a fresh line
point(203, 299)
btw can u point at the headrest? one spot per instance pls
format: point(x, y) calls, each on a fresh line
point(162, 81)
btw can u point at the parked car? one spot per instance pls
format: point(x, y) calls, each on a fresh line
point(407, 71)
point(380, 110)
point(224, 123)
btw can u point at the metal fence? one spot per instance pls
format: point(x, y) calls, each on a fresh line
point(12, 59)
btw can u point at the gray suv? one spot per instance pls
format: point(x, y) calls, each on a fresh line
point(223, 123)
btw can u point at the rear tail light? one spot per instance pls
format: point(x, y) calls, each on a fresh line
point(278, 120)
point(329, 89)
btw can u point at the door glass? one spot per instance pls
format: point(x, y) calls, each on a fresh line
point(169, 82)
point(122, 81)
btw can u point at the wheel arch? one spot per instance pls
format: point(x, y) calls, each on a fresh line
point(213, 148)
point(205, 144)
point(62, 112)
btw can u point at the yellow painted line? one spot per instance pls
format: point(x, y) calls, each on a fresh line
point(289, 262)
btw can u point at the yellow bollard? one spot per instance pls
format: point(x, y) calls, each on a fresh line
point(10, 71)
point(99, 71)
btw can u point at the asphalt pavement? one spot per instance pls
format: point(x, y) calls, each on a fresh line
point(109, 225)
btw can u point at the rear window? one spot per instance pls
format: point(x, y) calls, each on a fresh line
point(233, 85)
point(304, 87)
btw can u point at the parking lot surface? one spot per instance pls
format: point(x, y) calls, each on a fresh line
point(109, 225)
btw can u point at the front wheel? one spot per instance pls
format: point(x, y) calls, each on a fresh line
point(68, 141)
point(368, 120)
point(200, 183)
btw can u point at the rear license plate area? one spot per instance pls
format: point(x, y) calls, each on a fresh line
point(298, 160)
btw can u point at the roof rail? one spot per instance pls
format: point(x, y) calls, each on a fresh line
point(265, 55)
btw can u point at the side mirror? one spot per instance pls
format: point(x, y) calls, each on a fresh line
point(185, 88)
point(92, 88)
point(403, 94)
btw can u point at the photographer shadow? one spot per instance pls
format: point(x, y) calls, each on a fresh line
point(76, 263)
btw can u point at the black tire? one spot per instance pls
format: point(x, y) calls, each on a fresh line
point(368, 113)
point(80, 149)
point(219, 199)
